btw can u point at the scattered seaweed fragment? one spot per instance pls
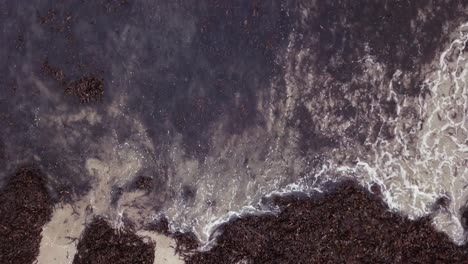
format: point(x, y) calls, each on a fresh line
point(100, 243)
point(87, 89)
point(57, 21)
point(25, 207)
point(56, 74)
point(347, 225)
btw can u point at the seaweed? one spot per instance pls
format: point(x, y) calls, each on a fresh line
point(88, 88)
point(347, 225)
point(100, 243)
point(25, 207)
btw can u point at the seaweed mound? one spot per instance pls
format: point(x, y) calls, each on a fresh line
point(87, 89)
point(25, 207)
point(347, 225)
point(100, 243)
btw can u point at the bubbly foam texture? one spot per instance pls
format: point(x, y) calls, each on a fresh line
point(425, 160)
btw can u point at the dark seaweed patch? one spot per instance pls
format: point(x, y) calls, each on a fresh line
point(55, 73)
point(100, 243)
point(376, 189)
point(347, 225)
point(442, 203)
point(25, 207)
point(87, 89)
point(185, 242)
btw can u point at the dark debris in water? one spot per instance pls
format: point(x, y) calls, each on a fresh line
point(87, 89)
point(57, 21)
point(347, 225)
point(25, 207)
point(143, 183)
point(100, 243)
point(55, 73)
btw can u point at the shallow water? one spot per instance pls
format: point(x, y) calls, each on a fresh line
point(222, 104)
